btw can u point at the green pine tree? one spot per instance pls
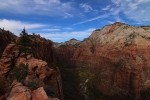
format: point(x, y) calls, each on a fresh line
point(24, 42)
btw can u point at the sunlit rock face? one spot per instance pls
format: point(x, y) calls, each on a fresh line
point(19, 92)
point(119, 54)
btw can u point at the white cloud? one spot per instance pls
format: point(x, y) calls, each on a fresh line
point(55, 34)
point(68, 28)
point(86, 7)
point(16, 26)
point(117, 2)
point(92, 19)
point(47, 1)
point(46, 7)
point(45, 29)
point(106, 8)
point(67, 15)
point(136, 10)
point(64, 36)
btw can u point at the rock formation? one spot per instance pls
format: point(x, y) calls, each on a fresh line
point(39, 94)
point(6, 37)
point(119, 55)
point(24, 72)
point(71, 42)
point(19, 92)
point(43, 49)
point(113, 62)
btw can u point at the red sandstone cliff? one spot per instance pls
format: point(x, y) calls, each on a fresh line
point(119, 55)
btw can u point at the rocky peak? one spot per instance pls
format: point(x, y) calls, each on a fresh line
point(119, 23)
point(120, 33)
point(71, 42)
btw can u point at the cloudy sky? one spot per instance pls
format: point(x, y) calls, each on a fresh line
point(60, 20)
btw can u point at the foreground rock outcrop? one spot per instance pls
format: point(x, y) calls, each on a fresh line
point(24, 72)
point(37, 73)
point(39, 94)
point(19, 92)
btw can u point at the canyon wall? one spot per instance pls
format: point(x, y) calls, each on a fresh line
point(119, 56)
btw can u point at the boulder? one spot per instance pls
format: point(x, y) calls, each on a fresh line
point(19, 92)
point(36, 67)
point(39, 94)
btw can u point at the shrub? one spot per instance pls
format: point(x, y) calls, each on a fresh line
point(145, 95)
point(88, 83)
point(129, 39)
point(34, 83)
point(84, 74)
point(19, 73)
point(2, 87)
point(49, 91)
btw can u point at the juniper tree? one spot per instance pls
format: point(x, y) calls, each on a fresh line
point(24, 42)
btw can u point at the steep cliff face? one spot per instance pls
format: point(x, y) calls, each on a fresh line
point(119, 55)
point(43, 49)
point(70, 82)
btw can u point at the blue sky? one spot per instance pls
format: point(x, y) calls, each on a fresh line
point(61, 20)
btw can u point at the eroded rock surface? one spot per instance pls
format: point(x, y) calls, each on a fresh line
point(120, 56)
point(39, 94)
point(19, 92)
